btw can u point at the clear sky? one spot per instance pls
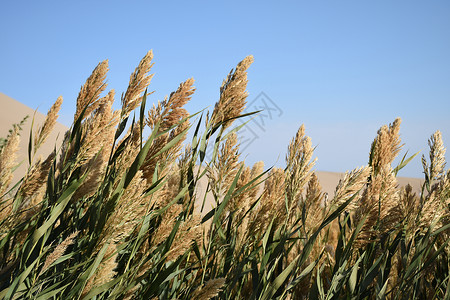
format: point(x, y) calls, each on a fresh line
point(343, 68)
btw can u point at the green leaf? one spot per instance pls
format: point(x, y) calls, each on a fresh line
point(266, 236)
point(371, 274)
point(382, 293)
point(141, 115)
point(352, 280)
point(303, 274)
point(280, 280)
point(52, 293)
point(18, 281)
point(228, 196)
point(56, 211)
point(404, 162)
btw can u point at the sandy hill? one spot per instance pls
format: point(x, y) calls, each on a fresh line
point(12, 112)
point(328, 181)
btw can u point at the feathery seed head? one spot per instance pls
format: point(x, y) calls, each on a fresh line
point(298, 164)
point(233, 95)
point(223, 170)
point(272, 204)
point(170, 111)
point(437, 157)
point(139, 81)
point(314, 191)
point(352, 183)
point(49, 123)
point(380, 204)
point(385, 146)
point(58, 251)
point(189, 231)
point(210, 289)
point(8, 156)
point(36, 177)
point(432, 211)
point(98, 129)
point(91, 90)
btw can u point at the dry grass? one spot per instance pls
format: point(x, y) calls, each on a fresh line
point(114, 214)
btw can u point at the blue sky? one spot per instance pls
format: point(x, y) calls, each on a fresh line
point(343, 68)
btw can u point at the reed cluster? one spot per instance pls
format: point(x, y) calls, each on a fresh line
point(116, 213)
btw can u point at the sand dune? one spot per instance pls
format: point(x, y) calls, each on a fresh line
point(13, 112)
point(328, 181)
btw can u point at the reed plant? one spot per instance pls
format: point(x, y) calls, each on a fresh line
point(116, 211)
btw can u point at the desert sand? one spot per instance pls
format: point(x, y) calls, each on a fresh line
point(328, 181)
point(12, 112)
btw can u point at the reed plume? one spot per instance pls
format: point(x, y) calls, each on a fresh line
point(431, 212)
point(171, 111)
point(313, 204)
point(58, 251)
point(131, 142)
point(189, 230)
point(298, 165)
point(272, 205)
point(434, 206)
point(105, 271)
point(209, 290)
point(241, 200)
point(139, 81)
point(409, 205)
point(351, 184)
point(224, 169)
point(435, 170)
point(8, 157)
point(385, 146)
point(379, 205)
point(49, 123)
point(251, 192)
point(168, 114)
point(233, 95)
point(98, 129)
point(127, 212)
point(35, 181)
point(91, 90)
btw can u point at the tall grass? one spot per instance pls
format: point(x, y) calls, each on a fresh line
point(116, 214)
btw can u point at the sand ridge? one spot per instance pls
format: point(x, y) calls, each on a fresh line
point(13, 112)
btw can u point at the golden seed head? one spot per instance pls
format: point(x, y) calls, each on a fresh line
point(8, 156)
point(210, 289)
point(233, 95)
point(91, 90)
point(437, 157)
point(298, 164)
point(379, 204)
point(223, 170)
point(58, 251)
point(49, 123)
point(168, 114)
point(139, 81)
point(36, 177)
point(385, 146)
point(351, 184)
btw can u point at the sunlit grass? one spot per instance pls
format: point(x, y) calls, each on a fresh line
point(114, 214)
